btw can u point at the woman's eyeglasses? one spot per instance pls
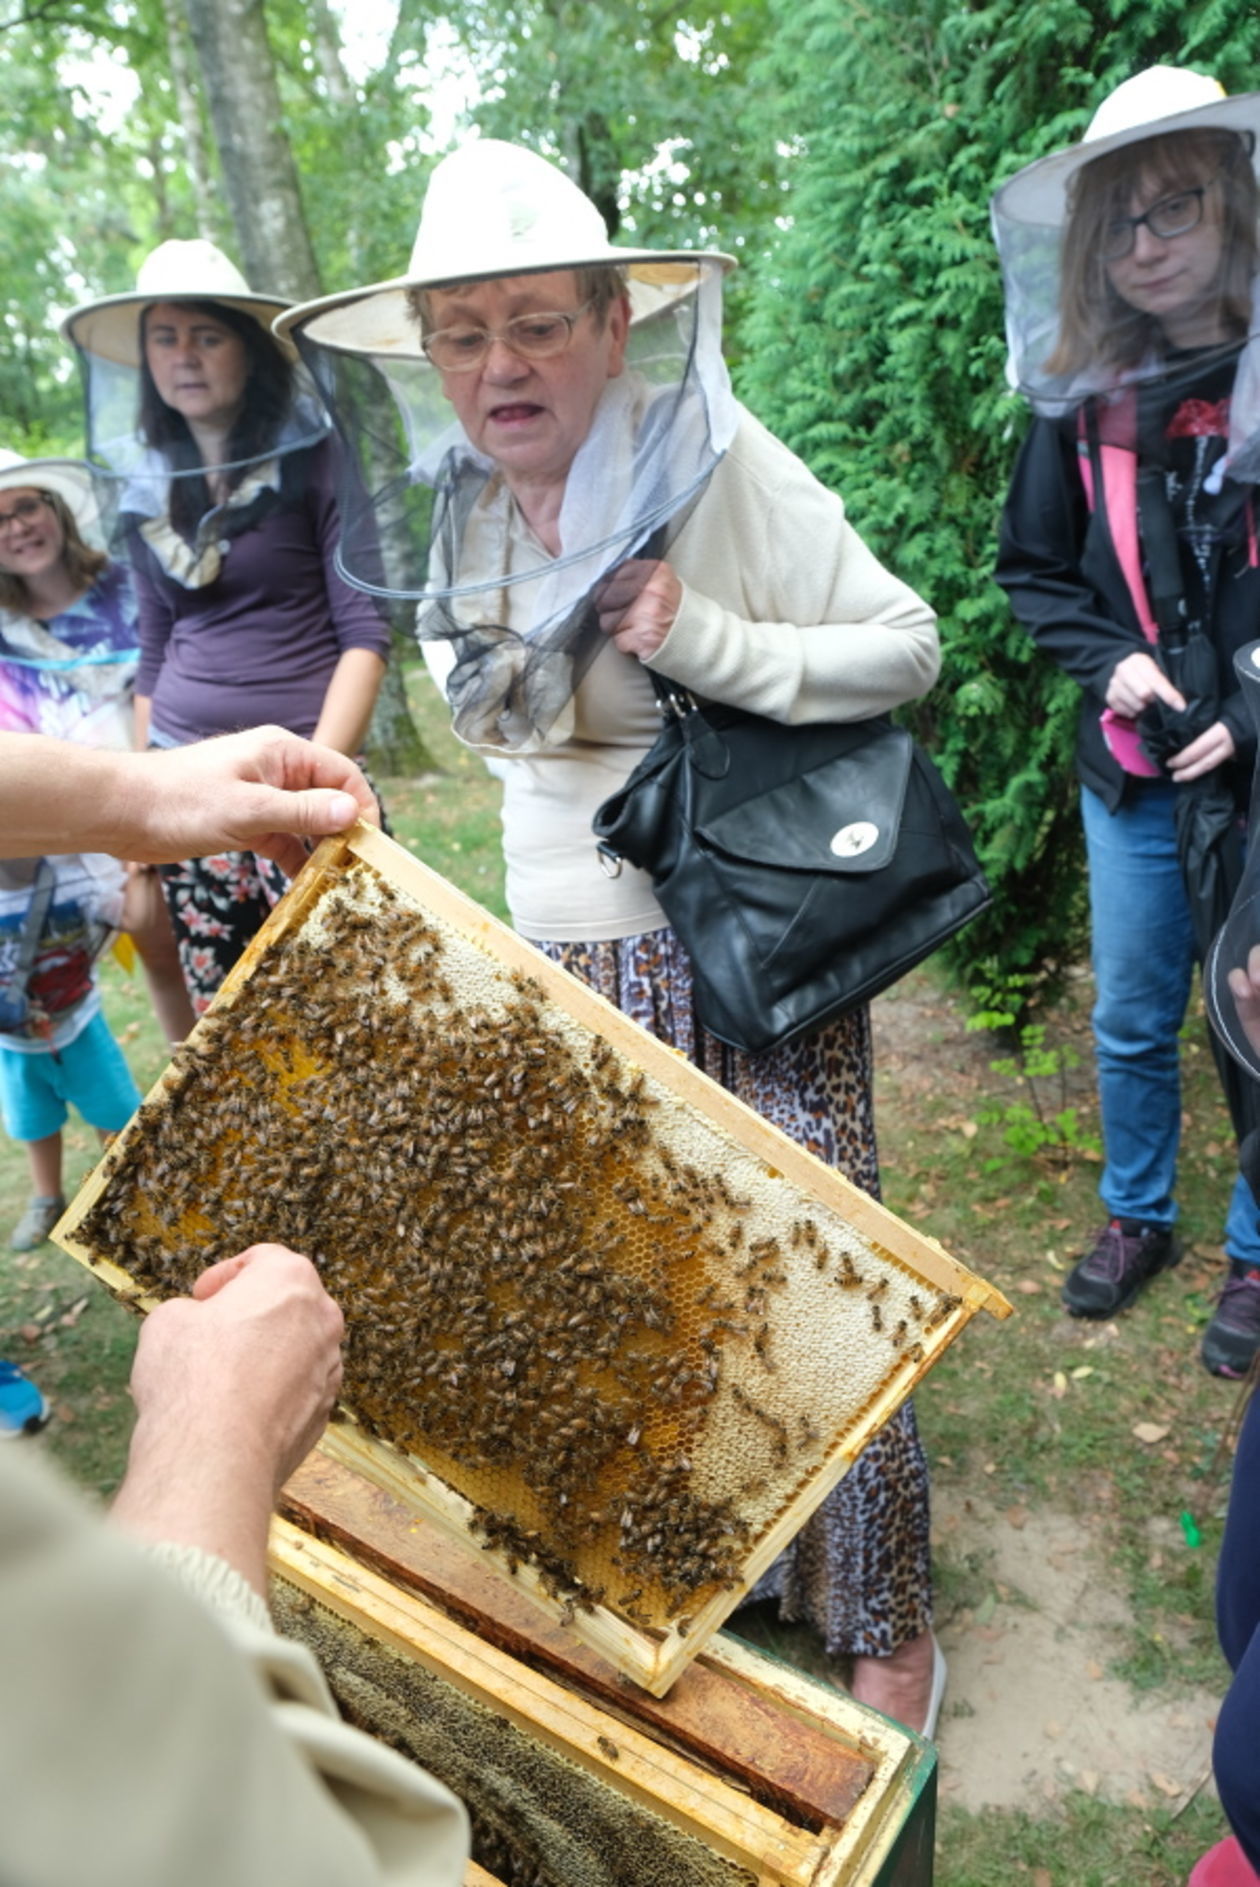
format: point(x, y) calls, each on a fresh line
point(532, 336)
point(1171, 216)
point(25, 511)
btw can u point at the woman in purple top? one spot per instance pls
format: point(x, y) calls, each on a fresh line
point(227, 496)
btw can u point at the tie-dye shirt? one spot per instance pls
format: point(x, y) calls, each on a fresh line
point(60, 985)
point(72, 676)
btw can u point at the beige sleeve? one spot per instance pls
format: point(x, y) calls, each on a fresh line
point(785, 610)
point(141, 1744)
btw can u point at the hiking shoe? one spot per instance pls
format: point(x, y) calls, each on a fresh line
point(1127, 1254)
point(23, 1410)
point(1233, 1336)
point(36, 1223)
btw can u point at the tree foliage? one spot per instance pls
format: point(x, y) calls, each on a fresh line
point(875, 348)
point(92, 174)
point(649, 107)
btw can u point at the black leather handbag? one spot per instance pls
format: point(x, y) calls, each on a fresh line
point(804, 868)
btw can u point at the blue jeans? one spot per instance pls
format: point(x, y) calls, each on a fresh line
point(1144, 959)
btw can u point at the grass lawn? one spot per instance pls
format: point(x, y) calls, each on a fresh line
point(1112, 1428)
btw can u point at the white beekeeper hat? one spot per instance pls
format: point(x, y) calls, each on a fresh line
point(175, 271)
point(494, 209)
point(1159, 100)
point(71, 479)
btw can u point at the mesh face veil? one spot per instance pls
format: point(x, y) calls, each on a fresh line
point(428, 516)
point(1135, 253)
point(147, 475)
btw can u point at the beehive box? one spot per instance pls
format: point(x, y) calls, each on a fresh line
point(602, 1320)
point(745, 1772)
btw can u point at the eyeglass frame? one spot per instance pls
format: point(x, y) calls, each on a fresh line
point(24, 511)
point(1131, 224)
point(569, 316)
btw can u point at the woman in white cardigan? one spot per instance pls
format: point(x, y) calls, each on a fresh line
point(603, 508)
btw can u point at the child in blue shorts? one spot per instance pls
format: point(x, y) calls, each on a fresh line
point(56, 915)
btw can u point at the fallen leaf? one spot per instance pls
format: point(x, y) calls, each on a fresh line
point(1029, 1287)
point(1165, 1784)
point(1151, 1432)
point(969, 1130)
point(1086, 1369)
point(1060, 1383)
point(71, 1317)
point(1089, 1780)
point(31, 1333)
point(1042, 1877)
point(1093, 1671)
point(1017, 1517)
point(1053, 1730)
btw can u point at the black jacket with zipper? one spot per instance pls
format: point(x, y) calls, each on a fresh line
point(1058, 565)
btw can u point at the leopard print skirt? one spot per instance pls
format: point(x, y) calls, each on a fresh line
point(859, 1570)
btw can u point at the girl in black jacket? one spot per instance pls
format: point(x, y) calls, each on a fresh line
point(1129, 551)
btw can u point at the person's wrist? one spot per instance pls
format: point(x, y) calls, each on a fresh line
point(190, 1487)
point(125, 809)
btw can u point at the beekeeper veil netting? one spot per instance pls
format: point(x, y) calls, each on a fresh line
point(427, 515)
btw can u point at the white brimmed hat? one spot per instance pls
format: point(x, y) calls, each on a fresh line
point(493, 209)
point(175, 271)
point(71, 479)
point(1159, 100)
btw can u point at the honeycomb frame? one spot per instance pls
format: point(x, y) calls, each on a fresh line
point(604, 1322)
point(743, 1838)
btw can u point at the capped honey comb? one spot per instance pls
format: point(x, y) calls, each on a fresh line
point(600, 1317)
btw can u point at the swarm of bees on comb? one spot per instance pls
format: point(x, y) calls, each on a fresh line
point(622, 1336)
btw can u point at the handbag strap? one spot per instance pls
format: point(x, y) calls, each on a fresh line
point(33, 923)
point(32, 927)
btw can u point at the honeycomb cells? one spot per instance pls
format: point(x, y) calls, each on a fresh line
point(568, 1292)
point(539, 1819)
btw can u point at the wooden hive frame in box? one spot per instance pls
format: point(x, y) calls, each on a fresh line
point(602, 1319)
point(747, 1772)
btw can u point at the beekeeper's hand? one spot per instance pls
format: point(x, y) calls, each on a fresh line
point(232, 1386)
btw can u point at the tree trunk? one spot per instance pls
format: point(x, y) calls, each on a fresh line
point(243, 97)
point(395, 749)
point(239, 76)
point(327, 44)
point(185, 84)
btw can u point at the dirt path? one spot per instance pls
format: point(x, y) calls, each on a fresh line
point(1030, 1711)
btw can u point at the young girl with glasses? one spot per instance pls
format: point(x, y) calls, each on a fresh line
point(1129, 551)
